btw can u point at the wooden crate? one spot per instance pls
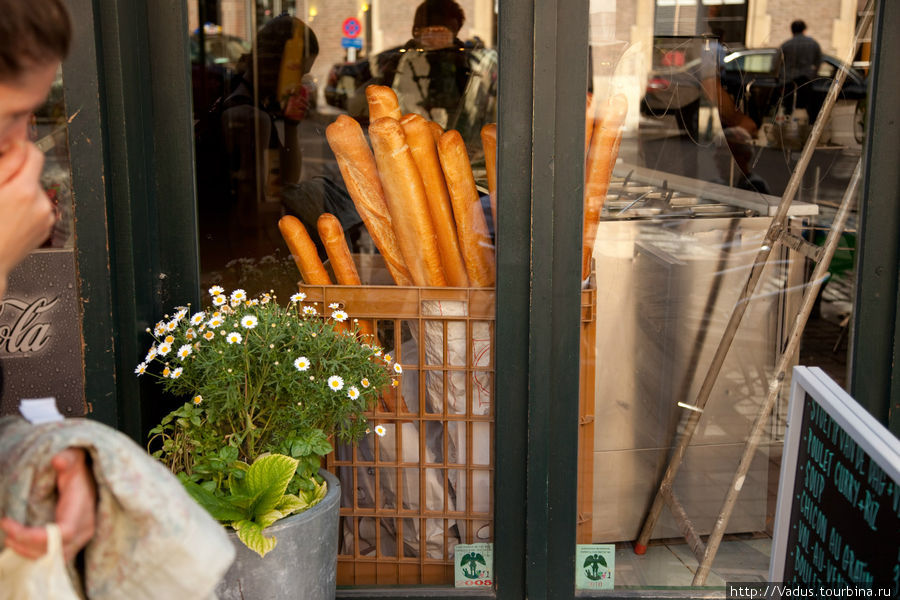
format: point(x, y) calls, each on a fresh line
point(439, 444)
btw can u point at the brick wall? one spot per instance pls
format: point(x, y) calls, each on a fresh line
point(819, 16)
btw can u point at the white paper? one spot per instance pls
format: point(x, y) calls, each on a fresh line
point(38, 411)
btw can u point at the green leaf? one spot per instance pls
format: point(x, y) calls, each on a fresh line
point(252, 535)
point(268, 478)
point(290, 504)
point(269, 518)
point(220, 508)
point(314, 496)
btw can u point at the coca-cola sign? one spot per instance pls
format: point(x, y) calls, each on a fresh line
point(40, 333)
point(31, 329)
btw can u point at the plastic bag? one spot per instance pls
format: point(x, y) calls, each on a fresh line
point(44, 578)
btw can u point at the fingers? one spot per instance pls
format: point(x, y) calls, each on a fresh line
point(76, 507)
point(11, 160)
point(30, 542)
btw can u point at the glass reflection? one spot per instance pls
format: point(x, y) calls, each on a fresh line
point(50, 133)
point(269, 77)
point(721, 98)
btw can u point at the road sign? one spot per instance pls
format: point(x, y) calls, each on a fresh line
point(351, 28)
point(351, 43)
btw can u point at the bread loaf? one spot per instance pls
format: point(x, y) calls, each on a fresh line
point(601, 159)
point(332, 236)
point(421, 143)
point(436, 130)
point(471, 226)
point(489, 144)
point(357, 165)
point(303, 249)
point(405, 195)
point(382, 103)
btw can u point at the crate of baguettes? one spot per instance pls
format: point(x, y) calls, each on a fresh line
point(421, 483)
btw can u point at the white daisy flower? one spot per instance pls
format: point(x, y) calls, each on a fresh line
point(302, 363)
point(387, 358)
point(364, 382)
point(164, 348)
point(182, 313)
point(198, 318)
point(216, 322)
point(219, 300)
point(339, 316)
point(310, 310)
point(216, 290)
point(184, 351)
point(171, 325)
point(197, 399)
point(169, 339)
point(253, 302)
point(176, 373)
point(209, 335)
point(298, 297)
point(233, 338)
point(397, 368)
point(160, 328)
point(166, 371)
point(238, 295)
point(377, 351)
point(335, 383)
point(151, 354)
point(353, 393)
point(190, 334)
point(249, 322)
point(140, 369)
point(380, 430)
point(334, 305)
point(235, 303)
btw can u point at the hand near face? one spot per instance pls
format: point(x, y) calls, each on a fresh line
point(75, 510)
point(28, 215)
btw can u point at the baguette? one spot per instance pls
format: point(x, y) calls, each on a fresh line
point(489, 144)
point(357, 165)
point(332, 235)
point(406, 201)
point(601, 159)
point(303, 249)
point(436, 130)
point(382, 103)
point(588, 124)
point(471, 225)
point(421, 143)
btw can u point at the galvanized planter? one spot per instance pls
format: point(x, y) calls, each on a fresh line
point(302, 566)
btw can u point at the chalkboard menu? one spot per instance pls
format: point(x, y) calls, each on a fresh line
point(838, 515)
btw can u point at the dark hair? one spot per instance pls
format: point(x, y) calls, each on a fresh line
point(798, 26)
point(439, 12)
point(32, 32)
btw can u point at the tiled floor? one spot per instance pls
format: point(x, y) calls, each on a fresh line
point(672, 564)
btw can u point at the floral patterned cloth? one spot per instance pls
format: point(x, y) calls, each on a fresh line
point(152, 540)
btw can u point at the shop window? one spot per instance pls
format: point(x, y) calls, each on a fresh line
point(699, 132)
point(270, 79)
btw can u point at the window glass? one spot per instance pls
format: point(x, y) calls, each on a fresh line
point(696, 116)
point(40, 318)
point(283, 130)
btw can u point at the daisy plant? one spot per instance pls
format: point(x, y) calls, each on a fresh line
point(261, 379)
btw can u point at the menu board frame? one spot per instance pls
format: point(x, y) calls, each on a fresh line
point(879, 443)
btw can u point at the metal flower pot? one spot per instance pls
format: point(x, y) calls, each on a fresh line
point(303, 565)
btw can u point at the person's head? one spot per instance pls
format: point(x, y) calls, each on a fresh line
point(798, 27)
point(437, 23)
point(34, 39)
point(270, 43)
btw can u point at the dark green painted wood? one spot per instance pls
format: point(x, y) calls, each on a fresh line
point(514, 138)
point(561, 42)
point(86, 150)
point(875, 381)
point(146, 91)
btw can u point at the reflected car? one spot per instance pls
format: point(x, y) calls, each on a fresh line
point(753, 77)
